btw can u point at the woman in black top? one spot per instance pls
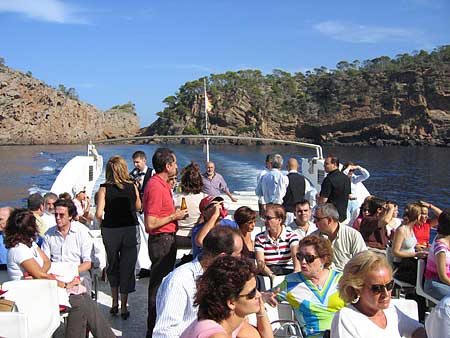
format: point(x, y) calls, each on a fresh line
point(118, 201)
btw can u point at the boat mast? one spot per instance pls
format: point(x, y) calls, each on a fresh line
point(206, 121)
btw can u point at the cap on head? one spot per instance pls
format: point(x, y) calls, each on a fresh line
point(77, 188)
point(205, 202)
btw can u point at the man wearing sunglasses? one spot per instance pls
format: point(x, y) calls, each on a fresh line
point(345, 240)
point(175, 300)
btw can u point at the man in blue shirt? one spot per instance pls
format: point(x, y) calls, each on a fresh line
point(213, 213)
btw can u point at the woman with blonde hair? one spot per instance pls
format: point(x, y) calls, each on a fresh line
point(118, 201)
point(404, 245)
point(367, 284)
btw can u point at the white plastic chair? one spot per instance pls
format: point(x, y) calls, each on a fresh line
point(13, 324)
point(282, 312)
point(38, 299)
point(419, 282)
point(407, 306)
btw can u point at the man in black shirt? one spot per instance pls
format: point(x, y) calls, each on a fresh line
point(295, 191)
point(335, 187)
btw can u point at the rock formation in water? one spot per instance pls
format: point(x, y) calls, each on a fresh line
point(32, 112)
point(401, 101)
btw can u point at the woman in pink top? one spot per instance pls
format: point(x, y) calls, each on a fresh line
point(226, 294)
point(437, 274)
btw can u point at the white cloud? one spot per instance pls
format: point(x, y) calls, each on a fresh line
point(44, 10)
point(349, 32)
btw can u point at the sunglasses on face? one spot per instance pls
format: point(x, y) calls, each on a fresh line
point(316, 218)
point(61, 215)
point(379, 288)
point(308, 258)
point(250, 295)
point(269, 218)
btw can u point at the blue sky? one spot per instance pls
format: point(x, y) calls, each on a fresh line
point(113, 52)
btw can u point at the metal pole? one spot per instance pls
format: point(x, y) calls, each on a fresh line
point(206, 120)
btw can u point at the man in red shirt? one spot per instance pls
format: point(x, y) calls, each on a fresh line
point(161, 224)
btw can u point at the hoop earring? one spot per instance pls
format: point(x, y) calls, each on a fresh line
point(356, 300)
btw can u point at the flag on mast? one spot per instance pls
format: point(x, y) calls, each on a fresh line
point(208, 104)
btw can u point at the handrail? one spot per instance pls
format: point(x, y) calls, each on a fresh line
point(319, 153)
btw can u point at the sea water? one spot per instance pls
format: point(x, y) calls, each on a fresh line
point(396, 173)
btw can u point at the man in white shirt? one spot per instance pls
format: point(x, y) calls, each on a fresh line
point(273, 185)
point(69, 241)
point(49, 209)
point(141, 172)
point(267, 168)
point(302, 224)
point(175, 299)
point(354, 202)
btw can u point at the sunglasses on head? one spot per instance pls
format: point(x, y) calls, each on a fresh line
point(250, 295)
point(379, 288)
point(308, 258)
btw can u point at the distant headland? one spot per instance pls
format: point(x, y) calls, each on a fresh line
point(383, 101)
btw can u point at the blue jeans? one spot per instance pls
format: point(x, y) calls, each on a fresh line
point(436, 289)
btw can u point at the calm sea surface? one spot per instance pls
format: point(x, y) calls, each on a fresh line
point(400, 174)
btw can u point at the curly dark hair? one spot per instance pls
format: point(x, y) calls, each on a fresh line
point(191, 179)
point(20, 228)
point(222, 281)
point(322, 247)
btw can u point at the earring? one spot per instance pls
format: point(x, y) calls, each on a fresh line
point(321, 266)
point(356, 300)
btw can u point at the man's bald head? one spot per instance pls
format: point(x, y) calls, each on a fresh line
point(4, 215)
point(292, 164)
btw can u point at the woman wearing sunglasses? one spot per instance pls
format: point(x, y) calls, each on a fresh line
point(367, 284)
point(226, 294)
point(312, 292)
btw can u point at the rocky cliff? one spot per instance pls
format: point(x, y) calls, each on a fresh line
point(403, 101)
point(32, 112)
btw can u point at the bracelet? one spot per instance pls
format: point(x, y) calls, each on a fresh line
point(263, 315)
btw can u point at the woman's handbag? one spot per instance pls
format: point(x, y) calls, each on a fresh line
point(7, 305)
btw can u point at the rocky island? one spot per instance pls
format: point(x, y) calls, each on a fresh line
point(32, 112)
